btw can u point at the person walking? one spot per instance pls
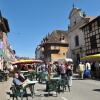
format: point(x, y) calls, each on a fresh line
point(81, 70)
point(69, 73)
point(87, 72)
point(62, 71)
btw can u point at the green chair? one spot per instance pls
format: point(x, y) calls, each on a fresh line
point(26, 74)
point(38, 74)
point(52, 85)
point(63, 84)
point(41, 77)
point(18, 91)
point(33, 75)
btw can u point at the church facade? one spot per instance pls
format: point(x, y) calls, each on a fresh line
point(76, 40)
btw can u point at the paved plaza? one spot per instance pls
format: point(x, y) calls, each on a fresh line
point(81, 90)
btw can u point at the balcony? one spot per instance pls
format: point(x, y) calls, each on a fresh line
point(4, 25)
point(51, 49)
point(55, 48)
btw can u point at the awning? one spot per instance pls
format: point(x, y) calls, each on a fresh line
point(26, 62)
point(95, 57)
point(64, 60)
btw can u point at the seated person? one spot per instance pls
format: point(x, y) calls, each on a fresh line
point(18, 80)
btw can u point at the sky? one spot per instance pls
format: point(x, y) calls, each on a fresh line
point(31, 20)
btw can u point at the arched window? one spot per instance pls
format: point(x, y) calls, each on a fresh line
point(77, 40)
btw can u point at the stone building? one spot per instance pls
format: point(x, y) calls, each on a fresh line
point(7, 54)
point(76, 40)
point(53, 47)
point(91, 32)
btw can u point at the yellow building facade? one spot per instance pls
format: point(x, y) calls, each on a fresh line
point(54, 46)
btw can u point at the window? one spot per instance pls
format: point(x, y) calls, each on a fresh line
point(64, 54)
point(77, 40)
point(90, 28)
point(98, 22)
point(97, 36)
point(75, 22)
point(62, 38)
point(96, 31)
point(93, 42)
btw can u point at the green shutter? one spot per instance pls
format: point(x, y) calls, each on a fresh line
point(2, 53)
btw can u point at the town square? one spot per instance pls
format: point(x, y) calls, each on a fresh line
point(49, 50)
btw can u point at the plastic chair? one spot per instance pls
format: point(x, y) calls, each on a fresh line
point(52, 85)
point(63, 83)
point(41, 77)
point(18, 91)
point(33, 75)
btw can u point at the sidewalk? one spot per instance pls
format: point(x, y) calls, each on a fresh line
point(4, 89)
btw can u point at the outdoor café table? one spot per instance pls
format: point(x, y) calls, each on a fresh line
point(32, 83)
point(23, 71)
point(54, 80)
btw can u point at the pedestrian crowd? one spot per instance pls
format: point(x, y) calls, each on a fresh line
point(63, 70)
point(89, 70)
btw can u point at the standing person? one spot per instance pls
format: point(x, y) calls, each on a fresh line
point(87, 72)
point(49, 71)
point(88, 66)
point(62, 70)
point(93, 70)
point(69, 72)
point(97, 65)
point(58, 69)
point(53, 68)
point(81, 70)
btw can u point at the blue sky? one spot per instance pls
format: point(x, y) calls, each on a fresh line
point(31, 20)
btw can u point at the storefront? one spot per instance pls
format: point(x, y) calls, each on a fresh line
point(93, 59)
